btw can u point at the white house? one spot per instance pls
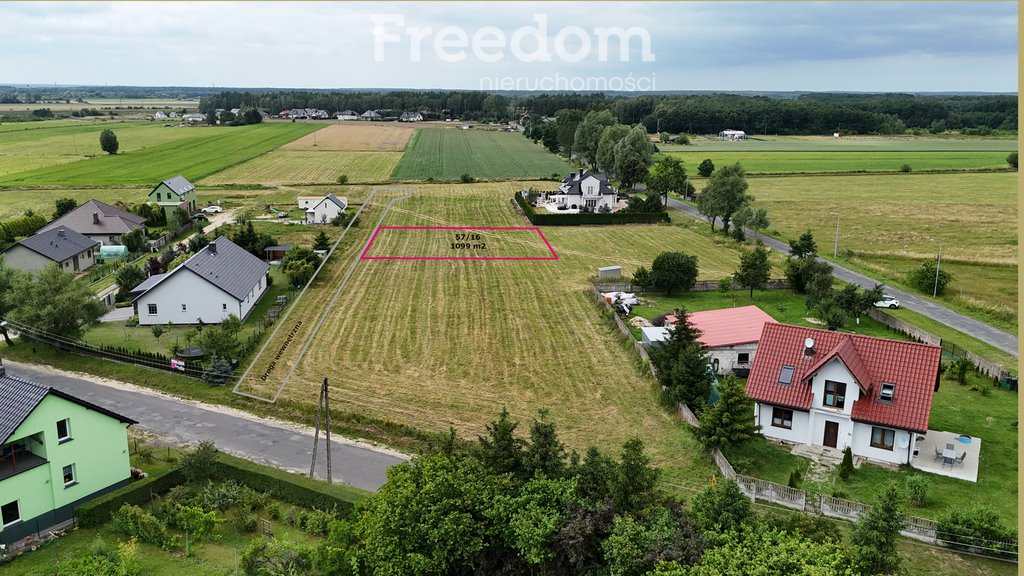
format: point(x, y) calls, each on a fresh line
point(69, 250)
point(159, 116)
point(730, 335)
point(322, 209)
point(410, 117)
point(583, 190)
point(370, 115)
point(732, 135)
point(219, 280)
point(835, 389)
point(346, 115)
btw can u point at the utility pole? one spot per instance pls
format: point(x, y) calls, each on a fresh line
point(835, 251)
point(938, 263)
point(323, 411)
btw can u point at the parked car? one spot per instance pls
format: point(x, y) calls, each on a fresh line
point(887, 301)
point(213, 209)
point(282, 214)
point(200, 217)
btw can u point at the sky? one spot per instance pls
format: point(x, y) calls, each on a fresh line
point(757, 46)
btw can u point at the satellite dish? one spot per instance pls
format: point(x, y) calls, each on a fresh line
point(809, 343)
point(903, 442)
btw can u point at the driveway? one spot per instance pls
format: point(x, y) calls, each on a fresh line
point(281, 444)
point(118, 315)
point(1002, 340)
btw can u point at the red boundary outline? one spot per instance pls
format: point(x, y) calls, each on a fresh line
point(373, 238)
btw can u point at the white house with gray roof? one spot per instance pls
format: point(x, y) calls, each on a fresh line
point(219, 280)
point(174, 193)
point(71, 251)
point(322, 209)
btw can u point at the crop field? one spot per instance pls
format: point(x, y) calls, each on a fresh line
point(14, 202)
point(321, 167)
point(893, 222)
point(449, 343)
point(448, 153)
point(364, 136)
point(49, 144)
point(103, 103)
point(759, 161)
point(758, 143)
point(211, 150)
point(415, 242)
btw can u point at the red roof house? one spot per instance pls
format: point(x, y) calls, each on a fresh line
point(731, 335)
point(835, 389)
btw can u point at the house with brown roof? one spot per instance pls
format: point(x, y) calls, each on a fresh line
point(835, 389)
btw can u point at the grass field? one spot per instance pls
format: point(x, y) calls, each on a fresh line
point(64, 142)
point(104, 103)
point(364, 136)
point(448, 153)
point(305, 167)
point(450, 343)
point(434, 243)
point(211, 149)
point(894, 222)
point(761, 161)
point(758, 143)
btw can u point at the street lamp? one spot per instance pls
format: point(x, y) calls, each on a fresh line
point(835, 251)
point(938, 263)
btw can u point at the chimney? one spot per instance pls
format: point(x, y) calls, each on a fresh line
point(95, 217)
point(3, 371)
point(581, 174)
point(213, 248)
point(61, 233)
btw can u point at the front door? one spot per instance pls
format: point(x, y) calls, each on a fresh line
point(831, 434)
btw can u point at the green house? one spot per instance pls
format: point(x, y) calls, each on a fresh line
point(56, 452)
point(174, 193)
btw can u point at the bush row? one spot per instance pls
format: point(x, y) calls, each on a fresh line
point(591, 218)
point(21, 226)
point(99, 510)
point(288, 487)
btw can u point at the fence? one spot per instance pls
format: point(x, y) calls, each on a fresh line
point(539, 219)
point(699, 286)
point(986, 367)
point(639, 347)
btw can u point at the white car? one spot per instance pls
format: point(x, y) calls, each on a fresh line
point(887, 301)
point(213, 209)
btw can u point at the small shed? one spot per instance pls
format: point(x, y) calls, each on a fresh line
point(653, 335)
point(274, 253)
point(609, 272)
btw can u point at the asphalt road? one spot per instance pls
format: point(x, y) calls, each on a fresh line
point(235, 432)
point(1002, 340)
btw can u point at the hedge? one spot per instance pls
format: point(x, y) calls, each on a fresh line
point(589, 218)
point(21, 226)
point(140, 492)
point(289, 487)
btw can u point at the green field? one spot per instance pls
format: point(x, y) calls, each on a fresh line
point(756, 161)
point(211, 149)
point(105, 104)
point(448, 153)
point(891, 223)
point(301, 167)
point(758, 143)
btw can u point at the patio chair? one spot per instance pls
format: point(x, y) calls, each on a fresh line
point(961, 459)
point(938, 453)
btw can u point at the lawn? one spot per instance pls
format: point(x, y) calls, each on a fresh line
point(309, 167)
point(761, 161)
point(205, 151)
point(448, 153)
point(892, 223)
point(449, 343)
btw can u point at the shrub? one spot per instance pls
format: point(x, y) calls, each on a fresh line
point(959, 368)
point(318, 522)
point(246, 521)
point(198, 464)
point(252, 500)
point(905, 168)
point(467, 179)
point(1012, 160)
point(917, 487)
point(99, 510)
point(136, 522)
point(846, 467)
point(794, 479)
point(973, 528)
point(288, 487)
point(273, 510)
point(343, 179)
point(926, 279)
point(220, 496)
point(295, 517)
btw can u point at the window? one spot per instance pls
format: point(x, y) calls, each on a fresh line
point(184, 307)
point(882, 438)
point(152, 309)
point(69, 476)
point(782, 418)
point(157, 196)
point(224, 306)
point(63, 430)
point(786, 376)
point(835, 394)
point(743, 357)
point(888, 391)
point(10, 513)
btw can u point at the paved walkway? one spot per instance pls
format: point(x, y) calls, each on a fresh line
point(118, 315)
point(1002, 340)
point(276, 443)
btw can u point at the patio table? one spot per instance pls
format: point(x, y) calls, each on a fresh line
point(948, 455)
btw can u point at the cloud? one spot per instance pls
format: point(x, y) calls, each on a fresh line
point(697, 45)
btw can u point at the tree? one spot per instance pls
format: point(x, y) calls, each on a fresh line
point(217, 370)
point(634, 547)
point(158, 331)
point(501, 451)
point(221, 340)
point(631, 170)
point(566, 122)
point(134, 241)
point(730, 422)
point(545, 455)
point(926, 279)
point(322, 242)
point(846, 466)
point(55, 303)
point(108, 141)
point(725, 193)
point(855, 301)
point(64, 205)
point(1012, 160)
point(668, 175)
point(706, 168)
point(9, 279)
point(722, 507)
point(754, 270)
point(197, 242)
point(607, 144)
point(876, 535)
point(299, 264)
point(198, 464)
point(766, 552)
point(275, 557)
point(674, 271)
point(226, 117)
point(633, 489)
point(641, 277)
point(127, 277)
point(804, 273)
point(690, 380)
point(588, 135)
point(754, 218)
point(803, 246)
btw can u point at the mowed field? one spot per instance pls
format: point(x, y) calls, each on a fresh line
point(839, 161)
point(103, 103)
point(448, 153)
point(449, 343)
point(204, 151)
point(894, 222)
point(365, 136)
point(285, 166)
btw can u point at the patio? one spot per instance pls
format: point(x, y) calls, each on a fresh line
point(927, 461)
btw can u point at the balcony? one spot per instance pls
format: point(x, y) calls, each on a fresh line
point(15, 459)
